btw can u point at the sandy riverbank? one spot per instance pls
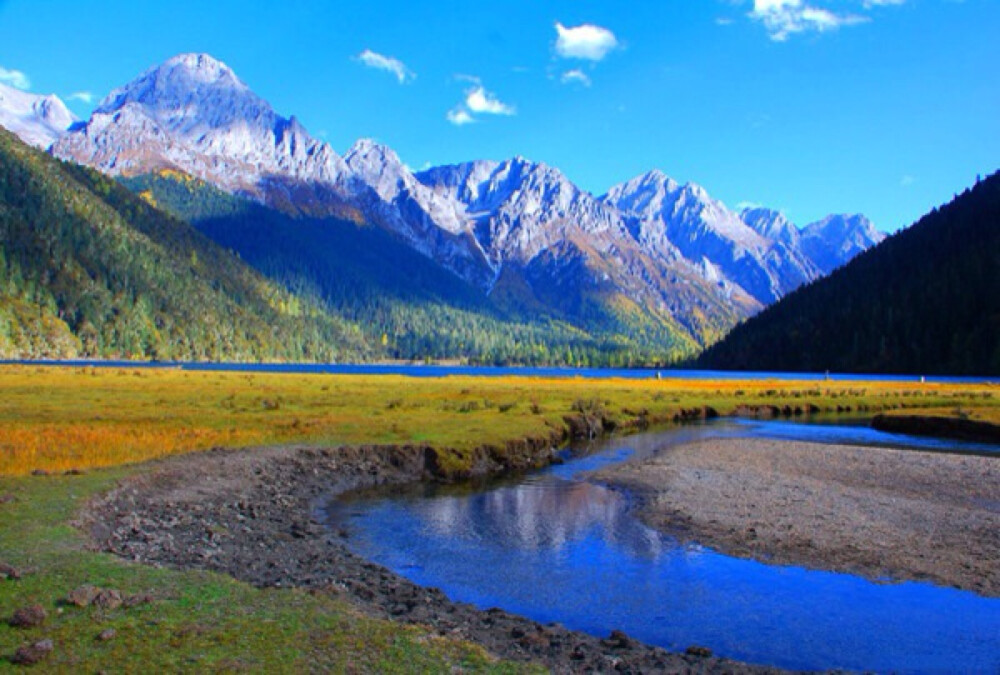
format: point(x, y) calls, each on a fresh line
point(874, 511)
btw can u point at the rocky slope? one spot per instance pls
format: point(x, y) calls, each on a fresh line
point(651, 252)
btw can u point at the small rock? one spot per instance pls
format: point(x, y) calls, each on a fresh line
point(699, 651)
point(29, 655)
point(7, 498)
point(74, 472)
point(107, 634)
point(39, 472)
point(82, 596)
point(28, 617)
point(137, 599)
point(108, 599)
point(619, 640)
point(9, 571)
point(535, 640)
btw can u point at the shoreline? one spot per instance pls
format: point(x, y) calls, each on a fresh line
point(938, 426)
point(877, 512)
point(252, 514)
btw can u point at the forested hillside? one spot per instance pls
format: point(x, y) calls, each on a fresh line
point(926, 300)
point(402, 299)
point(88, 269)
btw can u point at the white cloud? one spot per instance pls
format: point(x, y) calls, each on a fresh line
point(907, 180)
point(15, 78)
point(783, 18)
point(575, 76)
point(83, 96)
point(388, 64)
point(587, 41)
point(459, 116)
point(478, 100)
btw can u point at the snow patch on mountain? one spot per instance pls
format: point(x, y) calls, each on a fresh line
point(771, 224)
point(836, 239)
point(663, 213)
point(518, 208)
point(37, 120)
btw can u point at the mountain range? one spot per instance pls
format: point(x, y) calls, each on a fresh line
point(651, 257)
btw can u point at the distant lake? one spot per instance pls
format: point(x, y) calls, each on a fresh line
point(496, 371)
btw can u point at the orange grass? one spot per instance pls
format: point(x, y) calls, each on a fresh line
point(60, 418)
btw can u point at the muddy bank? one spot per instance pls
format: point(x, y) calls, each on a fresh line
point(253, 515)
point(873, 511)
point(943, 427)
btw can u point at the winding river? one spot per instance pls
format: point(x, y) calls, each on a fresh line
point(557, 548)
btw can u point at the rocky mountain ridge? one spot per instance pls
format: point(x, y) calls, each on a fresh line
point(37, 120)
point(670, 252)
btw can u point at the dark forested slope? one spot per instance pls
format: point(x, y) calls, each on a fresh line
point(926, 300)
point(88, 269)
point(404, 300)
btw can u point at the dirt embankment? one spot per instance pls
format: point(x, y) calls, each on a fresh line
point(252, 514)
point(943, 427)
point(874, 511)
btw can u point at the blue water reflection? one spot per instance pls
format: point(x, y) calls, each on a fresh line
point(554, 547)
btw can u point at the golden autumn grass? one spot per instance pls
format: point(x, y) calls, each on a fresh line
point(58, 418)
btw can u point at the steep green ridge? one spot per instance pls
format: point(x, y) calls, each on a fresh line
point(87, 269)
point(926, 300)
point(420, 310)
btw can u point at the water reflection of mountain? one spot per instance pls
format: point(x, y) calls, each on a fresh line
point(553, 547)
point(547, 513)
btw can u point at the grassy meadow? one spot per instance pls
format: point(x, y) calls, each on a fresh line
point(105, 422)
point(56, 419)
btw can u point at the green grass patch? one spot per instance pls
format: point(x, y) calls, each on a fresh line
point(197, 621)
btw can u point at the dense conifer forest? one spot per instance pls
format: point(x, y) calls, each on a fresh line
point(925, 301)
point(89, 270)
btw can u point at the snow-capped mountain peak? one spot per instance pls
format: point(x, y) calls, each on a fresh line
point(645, 193)
point(373, 162)
point(836, 239)
point(37, 120)
point(194, 114)
point(771, 224)
point(182, 84)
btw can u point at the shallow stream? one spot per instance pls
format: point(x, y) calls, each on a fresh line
point(556, 548)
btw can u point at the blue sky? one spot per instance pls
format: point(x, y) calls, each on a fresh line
point(884, 107)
